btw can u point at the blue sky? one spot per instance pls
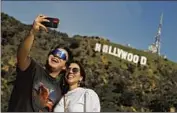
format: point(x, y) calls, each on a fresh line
point(123, 22)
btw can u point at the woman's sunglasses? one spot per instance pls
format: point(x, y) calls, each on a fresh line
point(74, 70)
point(59, 54)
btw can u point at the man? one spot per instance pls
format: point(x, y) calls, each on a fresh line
point(37, 88)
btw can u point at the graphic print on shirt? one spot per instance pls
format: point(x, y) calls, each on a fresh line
point(44, 96)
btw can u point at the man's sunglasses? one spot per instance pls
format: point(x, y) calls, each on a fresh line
point(74, 70)
point(59, 54)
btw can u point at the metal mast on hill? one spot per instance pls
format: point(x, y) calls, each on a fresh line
point(155, 48)
point(157, 37)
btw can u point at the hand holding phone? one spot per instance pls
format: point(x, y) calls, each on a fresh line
point(53, 22)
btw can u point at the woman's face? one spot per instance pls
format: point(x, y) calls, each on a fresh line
point(73, 75)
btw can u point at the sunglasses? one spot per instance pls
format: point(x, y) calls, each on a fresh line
point(74, 70)
point(59, 54)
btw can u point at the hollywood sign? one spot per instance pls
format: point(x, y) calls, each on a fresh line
point(121, 53)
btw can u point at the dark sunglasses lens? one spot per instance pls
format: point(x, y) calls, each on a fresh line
point(75, 70)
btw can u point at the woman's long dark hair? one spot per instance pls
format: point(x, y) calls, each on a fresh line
point(82, 73)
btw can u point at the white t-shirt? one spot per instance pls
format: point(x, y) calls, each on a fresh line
point(75, 101)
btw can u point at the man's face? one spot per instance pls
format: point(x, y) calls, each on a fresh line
point(57, 59)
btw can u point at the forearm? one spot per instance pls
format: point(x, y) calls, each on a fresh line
point(23, 60)
point(25, 47)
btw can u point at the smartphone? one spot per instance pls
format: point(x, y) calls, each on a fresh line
point(53, 22)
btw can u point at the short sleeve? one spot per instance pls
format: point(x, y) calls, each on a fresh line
point(29, 69)
point(92, 101)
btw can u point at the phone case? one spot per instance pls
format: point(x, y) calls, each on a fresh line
point(53, 22)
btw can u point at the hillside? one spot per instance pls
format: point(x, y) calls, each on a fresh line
point(121, 85)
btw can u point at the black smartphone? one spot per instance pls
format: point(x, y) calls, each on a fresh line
point(53, 22)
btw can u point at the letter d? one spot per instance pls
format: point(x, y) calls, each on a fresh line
point(143, 60)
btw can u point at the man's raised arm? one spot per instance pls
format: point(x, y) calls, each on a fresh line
point(23, 60)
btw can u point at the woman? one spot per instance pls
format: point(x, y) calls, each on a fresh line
point(77, 98)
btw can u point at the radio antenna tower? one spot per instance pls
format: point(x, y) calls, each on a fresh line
point(157, 37)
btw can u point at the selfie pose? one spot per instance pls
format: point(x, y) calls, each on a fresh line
point(78, 98)
point(37, 88)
